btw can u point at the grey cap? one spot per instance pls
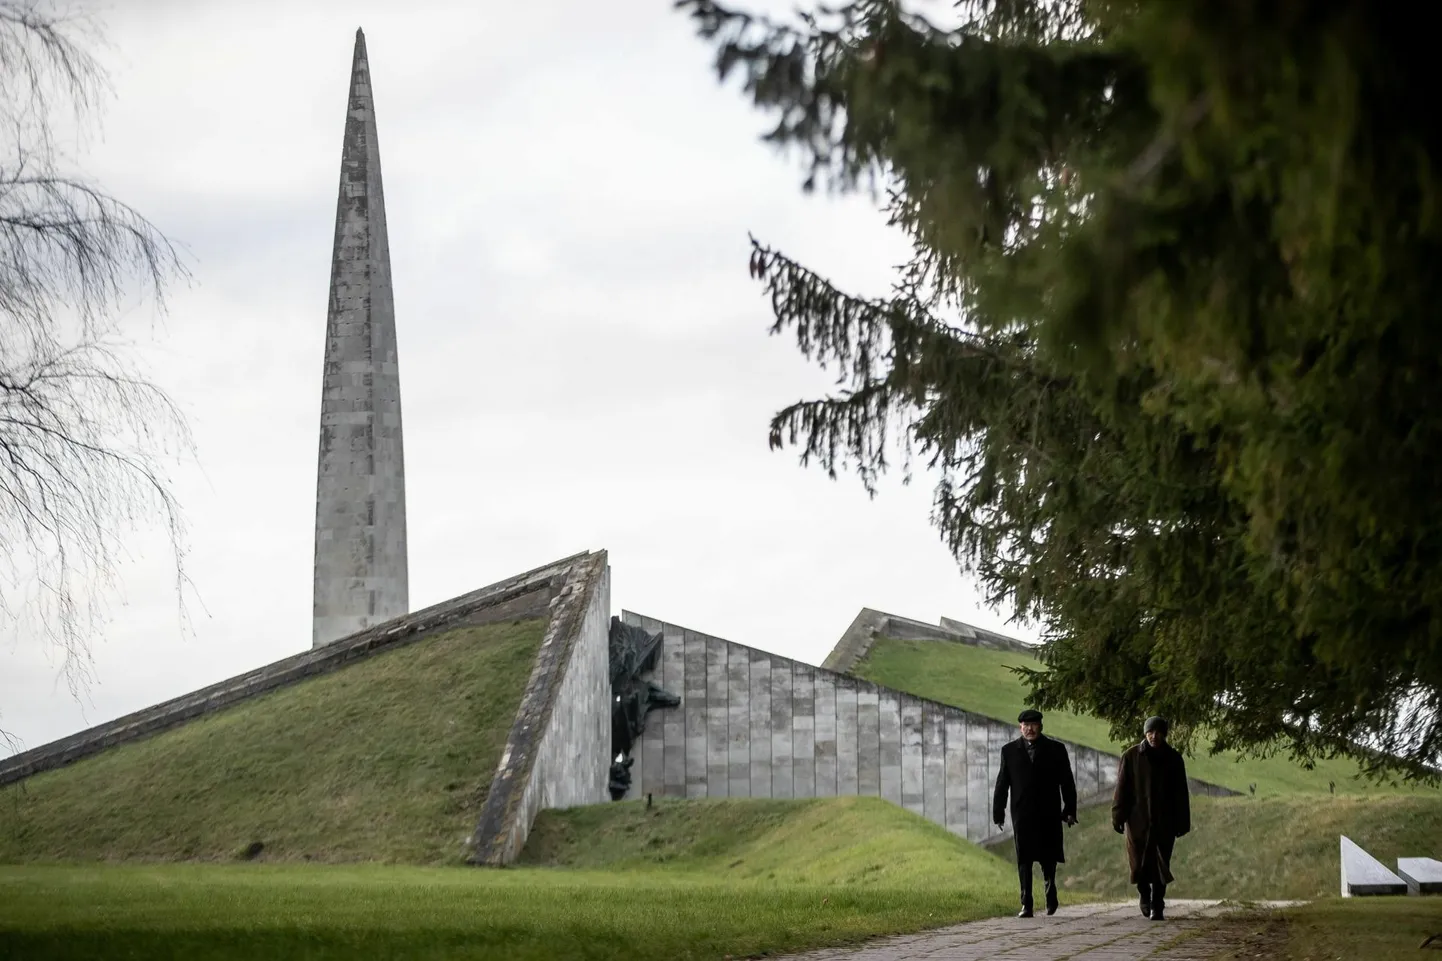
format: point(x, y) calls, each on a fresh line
point(1156, 723)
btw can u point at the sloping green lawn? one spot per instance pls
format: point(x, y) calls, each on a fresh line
point(1276, 848)
point(840, 841)
point(977, 679)
point(387, 760)
point(684, 880)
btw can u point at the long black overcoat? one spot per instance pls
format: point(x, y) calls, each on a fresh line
point(1043, 794)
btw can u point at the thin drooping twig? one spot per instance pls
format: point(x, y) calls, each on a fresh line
point(84, 434)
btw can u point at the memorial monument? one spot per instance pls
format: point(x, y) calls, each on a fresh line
point(360, 510)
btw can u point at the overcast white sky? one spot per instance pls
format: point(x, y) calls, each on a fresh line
point(584, 360)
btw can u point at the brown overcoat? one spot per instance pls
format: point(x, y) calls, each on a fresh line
point(1151, 802)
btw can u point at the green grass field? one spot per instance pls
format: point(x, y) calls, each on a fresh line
point(1258, 848)
point(977, 679)
point(385, 760)
point(834, 841)
point(683, 880)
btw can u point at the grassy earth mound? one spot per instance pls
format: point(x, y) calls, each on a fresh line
point(1245, 848)
point(833, 841)
point(683, 880)
point(977, 679)
point(388, 759)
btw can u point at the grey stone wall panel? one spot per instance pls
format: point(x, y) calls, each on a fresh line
point(889, 744)
point(694, 711)
point(718, 740)
point(868, 741)
point(673, 721)
point(933, 761)
point(911, 756)
point(760, 724)
point(803, 731)
point(738, 720)
point(782, 729)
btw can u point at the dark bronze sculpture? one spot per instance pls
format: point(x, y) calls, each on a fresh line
point(633, 653)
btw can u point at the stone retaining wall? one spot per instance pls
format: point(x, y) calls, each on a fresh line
point(753, 724)
point(558, 750)
point(523, 596)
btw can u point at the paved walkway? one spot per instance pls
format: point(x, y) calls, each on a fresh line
point(1089, 932)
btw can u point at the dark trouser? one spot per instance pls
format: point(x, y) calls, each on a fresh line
point(1152, 889)
point(1154, 896)
point(1048, 874)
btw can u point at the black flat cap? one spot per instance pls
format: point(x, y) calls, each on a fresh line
point(1029, 715)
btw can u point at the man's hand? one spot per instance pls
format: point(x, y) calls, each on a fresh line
point(1119, 828)
point(1069, 821)
point(1000, 822)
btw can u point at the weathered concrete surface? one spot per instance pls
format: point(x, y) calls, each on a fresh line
point(361, 575)
point(523, 596)
point(869, 624)
point(1363, 874)
point(1088, 932)
point(752, 724)
point(1423, 875)
point(558, 751)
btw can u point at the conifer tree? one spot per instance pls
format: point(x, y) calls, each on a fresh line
point(1170, 336)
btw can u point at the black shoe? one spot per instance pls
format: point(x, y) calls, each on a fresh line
point(1146, 908)
point(1157, 915)
point(1025, 911)
point(1051, 901)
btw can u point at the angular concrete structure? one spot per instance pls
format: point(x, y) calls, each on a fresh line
point(1363, 874)
point(361, 574)
point(1423, 875)
point(557, 753)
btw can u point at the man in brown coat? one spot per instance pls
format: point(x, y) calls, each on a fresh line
point(1151, 805)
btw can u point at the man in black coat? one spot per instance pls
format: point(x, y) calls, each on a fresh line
point(1036, 771)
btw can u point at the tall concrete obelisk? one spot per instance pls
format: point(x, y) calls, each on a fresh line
point(361, 577)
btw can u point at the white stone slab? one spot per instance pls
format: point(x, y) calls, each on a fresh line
point(1363, 874)
point(1423, 875)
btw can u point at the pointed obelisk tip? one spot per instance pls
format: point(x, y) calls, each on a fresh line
point(360, 43)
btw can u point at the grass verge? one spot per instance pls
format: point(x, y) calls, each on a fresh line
point(1259, 848)
point(385, 760)
point(1354, 929)
point(977, 679)
point(327, 913)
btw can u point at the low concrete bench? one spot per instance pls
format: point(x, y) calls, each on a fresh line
point(1363, 874)
point(1423, 875)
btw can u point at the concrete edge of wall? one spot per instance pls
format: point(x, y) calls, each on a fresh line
point(863, 627)
point(505, 819)
point(855, 642)
point(521, 596)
